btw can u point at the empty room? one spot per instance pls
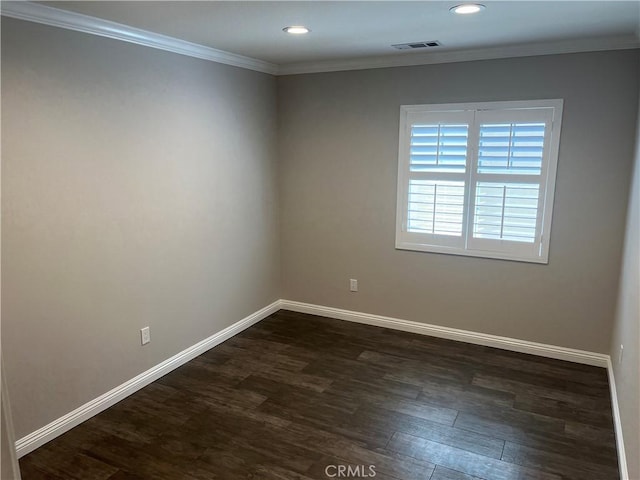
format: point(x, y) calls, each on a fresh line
point(318, 240)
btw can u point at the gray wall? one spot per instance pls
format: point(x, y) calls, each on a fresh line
point(339, 144)
point(138, 188)
point(626, 330)
point(9, 468)
point(141, 188)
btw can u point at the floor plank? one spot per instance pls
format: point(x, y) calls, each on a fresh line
point(464, 461)
point(557, 463)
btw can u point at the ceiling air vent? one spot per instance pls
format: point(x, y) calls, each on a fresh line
point(414, 45)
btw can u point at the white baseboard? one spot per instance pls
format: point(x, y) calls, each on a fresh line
point(67, 422)
point(61, 425)
point(505, 343)
point(617, 424)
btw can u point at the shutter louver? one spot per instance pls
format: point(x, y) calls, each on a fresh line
point(514, 148)
point(437, 165)
point(506, 211)
point(435, 207)
point(438, 148)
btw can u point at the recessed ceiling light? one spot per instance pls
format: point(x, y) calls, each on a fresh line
point(296, 30)
point(467, 8)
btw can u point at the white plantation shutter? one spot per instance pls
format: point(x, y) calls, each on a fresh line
point(506, 211)
point(435, 161)
point(478, 179)
point(436, 207)
point(511, 148)
point(438, 147)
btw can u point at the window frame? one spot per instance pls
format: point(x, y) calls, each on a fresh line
point(536, 252)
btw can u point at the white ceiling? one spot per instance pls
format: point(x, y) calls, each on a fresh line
point(348, 31)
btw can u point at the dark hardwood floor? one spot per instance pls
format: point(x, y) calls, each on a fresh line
point(304, 397)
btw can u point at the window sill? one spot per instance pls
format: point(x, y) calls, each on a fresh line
point(419, 247)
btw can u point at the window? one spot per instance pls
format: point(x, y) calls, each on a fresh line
point(478, 179)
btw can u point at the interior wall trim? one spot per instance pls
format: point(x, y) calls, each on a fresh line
point(623, 42)
point(38, 13)
point(505, 343)
point(617, 424)
point(56, 428)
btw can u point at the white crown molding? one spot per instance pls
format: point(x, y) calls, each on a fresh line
point(38, 13)
point(433, 57)
point(59, 426)
point(504, 343)
point(617, 424)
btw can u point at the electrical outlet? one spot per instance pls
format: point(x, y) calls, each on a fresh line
point(353, 285)
point(145, 335)
point(620, 354)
